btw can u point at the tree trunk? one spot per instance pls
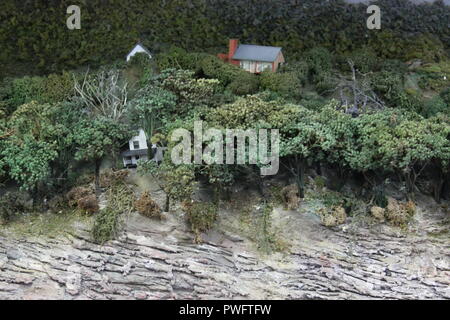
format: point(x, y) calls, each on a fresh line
point(167, 204)
point(299, 172)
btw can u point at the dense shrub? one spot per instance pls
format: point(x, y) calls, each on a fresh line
point(445, 95)
point(435, 76)
point(178, 58)
point(110, 177)
point(320, 61)
point(365, 60)
point(244, 83)
point(287, 84)
point(109, 30)
point(106, 225)
point(215, 68)
point(290, 197)
point(146, 206)
point(299, 68)
point(88, 204)
point(399, 213)
point(434, 106)
point(200, 216)
point(390, 87)
point(332, 217)
point(49, 89)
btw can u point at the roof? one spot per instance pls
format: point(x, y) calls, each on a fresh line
point(130, 153)
point(256, 53)
point(142, 46)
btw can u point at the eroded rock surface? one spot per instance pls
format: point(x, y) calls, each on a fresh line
point(157, 260)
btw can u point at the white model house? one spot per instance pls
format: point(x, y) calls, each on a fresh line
point(138, 150)
point(139, 48)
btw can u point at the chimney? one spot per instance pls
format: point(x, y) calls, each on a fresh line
point(234, 43)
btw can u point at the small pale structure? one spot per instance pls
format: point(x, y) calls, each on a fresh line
point(138, 48)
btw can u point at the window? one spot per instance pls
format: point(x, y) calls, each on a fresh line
point(136, 144)
point(246, 65)
point(137, 158)
point(259, 66)
point(266, 66)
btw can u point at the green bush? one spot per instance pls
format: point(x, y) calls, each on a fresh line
point(58, 87)
point(365, 60)
point(434, 106)
point(244, 83)
point(445, 95)
point(200, 216)
point(313, 101)
point(18, 91)
point(109, 30)
point(286, 84)
point(179, 58)
point(106, 225)
point(320, 62)
point(215, 68)
point(425, 47)
point(389, 86)
point(300, 68)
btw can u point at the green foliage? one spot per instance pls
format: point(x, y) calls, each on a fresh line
point(390, 87)
point(434, 106)
point(58, 87)
point(107, 222)
point(189, 90)
point(435, 76)
point(45, 127)
point(96, 138)
point(15, 92)
point(106, 225)
point(178, 58)
point(287, 84)
point(200, 216)
point(313, 101)
point(320, 64)
point(244, 83)
point(140, 66)
point(365, 60)
point(109, 30)
point(238, 81)
point(28, 161)
point(151, 108)
point(299, 68)
point(425, 47)
point(252, 112)
point(18, 91)
point(445, 95)
point(177, 181)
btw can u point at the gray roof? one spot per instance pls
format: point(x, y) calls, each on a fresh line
point(256, 53)
point(130, 153)
point(143, 47)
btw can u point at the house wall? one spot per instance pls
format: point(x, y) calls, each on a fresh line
point(133, 160)
point(141, 138)
point(254, 66)
point(280, 60)
point(136, 49)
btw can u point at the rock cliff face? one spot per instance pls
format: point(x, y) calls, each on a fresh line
point(158, 260)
